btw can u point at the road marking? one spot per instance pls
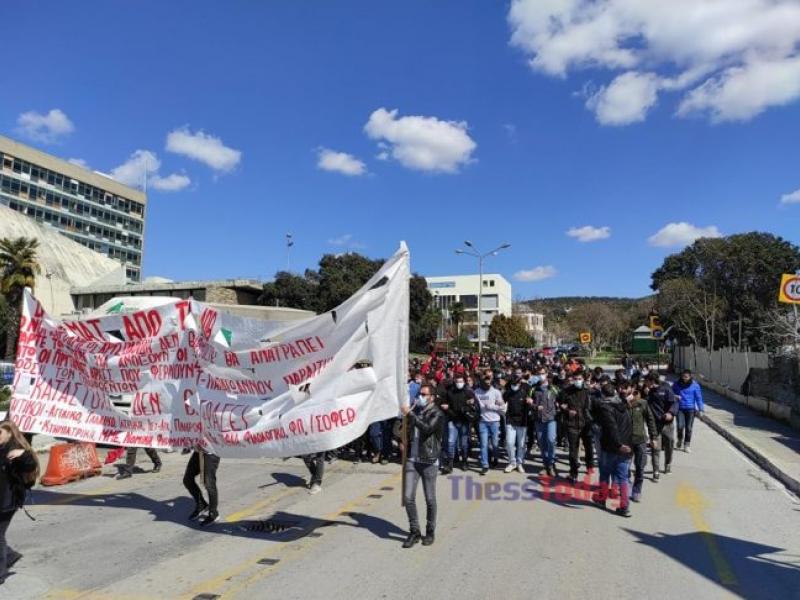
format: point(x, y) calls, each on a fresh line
point(215, 584)
point(692, 500)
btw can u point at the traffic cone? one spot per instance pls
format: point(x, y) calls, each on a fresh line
point(71, 461)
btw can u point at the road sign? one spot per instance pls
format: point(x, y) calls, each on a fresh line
point(790, 289)
point(585, 337)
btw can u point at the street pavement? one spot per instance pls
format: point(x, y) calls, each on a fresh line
point(717, 527)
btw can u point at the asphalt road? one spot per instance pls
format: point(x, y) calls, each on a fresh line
point(718, 527)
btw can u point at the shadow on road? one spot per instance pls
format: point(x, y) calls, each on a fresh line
point(736, 565)
point(286, 479)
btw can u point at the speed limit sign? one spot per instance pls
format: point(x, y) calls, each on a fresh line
point(790, 289)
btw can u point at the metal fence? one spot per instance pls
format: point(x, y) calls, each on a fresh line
point(727, 367)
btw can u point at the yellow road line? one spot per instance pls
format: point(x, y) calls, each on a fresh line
point(689, 498)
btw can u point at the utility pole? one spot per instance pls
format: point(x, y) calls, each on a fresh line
point(472, 251)
point(289, 244)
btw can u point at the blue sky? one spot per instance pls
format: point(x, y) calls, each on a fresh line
point(526, 129)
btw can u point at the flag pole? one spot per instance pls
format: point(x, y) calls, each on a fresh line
point(404, 458)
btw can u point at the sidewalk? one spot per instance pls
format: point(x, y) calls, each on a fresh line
point(772, 445)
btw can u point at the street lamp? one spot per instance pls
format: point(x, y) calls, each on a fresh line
point(289, 244)
point(472, 251)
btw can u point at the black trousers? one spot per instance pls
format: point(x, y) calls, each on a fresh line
point(574, 438)
point(210, 463)
point(316, 466)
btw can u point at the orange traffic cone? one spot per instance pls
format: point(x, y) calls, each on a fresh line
point(72, 461)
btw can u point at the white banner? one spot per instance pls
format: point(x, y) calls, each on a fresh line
point(197, 376)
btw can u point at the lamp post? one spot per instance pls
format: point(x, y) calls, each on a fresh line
point(289, 244)
point(472, 251)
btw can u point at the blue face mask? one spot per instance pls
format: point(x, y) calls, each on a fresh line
point(422, 400)
point(535, 379)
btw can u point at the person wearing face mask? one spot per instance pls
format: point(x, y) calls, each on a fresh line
point(518, 407)
point(461, 408)
point(423, 440)
point(492, 406)
point(690, 400)
point(545, 402)
point(664, 406)
point(575, 406)
point(530, 434)
point(616, 441)
point(644, 435)
point(19, 468)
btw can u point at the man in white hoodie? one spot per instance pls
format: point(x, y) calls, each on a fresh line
point(492, 405)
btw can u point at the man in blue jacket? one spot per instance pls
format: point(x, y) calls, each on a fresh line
point(690, 402)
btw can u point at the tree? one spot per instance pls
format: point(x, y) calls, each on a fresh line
point(605, 324)
point(18, 269)
point(741, 272)
point(693, 310)
point(509, 331)
point(291, 291)
point(457, 316)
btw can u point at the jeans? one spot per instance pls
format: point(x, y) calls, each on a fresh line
point(546, 432)
point(574, 437)
point(486, 429)
point(614, 471)
point(685, 422)
point(515, 443)
point(130, 457)
point(209, 470)
point(458, 432)
point(316, 466)
point(5, 549)
point(667, 440)
point(639, 462)
point(414, 471)
point(380, 436)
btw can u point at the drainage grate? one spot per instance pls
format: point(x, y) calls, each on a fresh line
point(206, 597)
point(387, 488)
point(375, 496)
point(268, 561)
point(272, 526)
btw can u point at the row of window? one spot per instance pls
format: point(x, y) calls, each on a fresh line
point(68, 184)
point(112, 252)
point(64, 222)
point(92, 301)
point(14, 187)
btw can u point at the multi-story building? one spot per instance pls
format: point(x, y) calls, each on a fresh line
point(495, 300)
point(92, 209)
point(534, 325)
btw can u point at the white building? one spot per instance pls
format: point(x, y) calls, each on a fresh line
point(534, 325)
point(495, 300)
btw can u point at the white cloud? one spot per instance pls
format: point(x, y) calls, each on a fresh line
point(203, 147)
point(681, 234)
point(587, 233)
point(792, 198)
point(626, 99)
point(346, 241)
point(132, 172)
point(421, 143)
point(736, 58)
point(340, 162)
point(48, 128)
point(536, 274)
point(171, 183)
point(79, 162)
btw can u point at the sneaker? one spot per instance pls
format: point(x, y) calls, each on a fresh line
point(210, 518)
point(125, 475)
point(156, 467)
point(384, 461)
point(623, 511)
point(687, 449)
point(375, 459)
point(655, 477)
point(484, 470)
point(678, 445)
point(667, 469)
point(520, 469)
point(509, 468)
point(636, 497)
point(315, 489)
point(413, 538)
point(199, 509)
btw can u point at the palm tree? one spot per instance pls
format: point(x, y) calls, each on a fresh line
point(18, 269)
point(457, 316)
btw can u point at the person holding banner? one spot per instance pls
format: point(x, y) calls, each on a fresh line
point(206, 463)
point(422, 443)
point(19, 469)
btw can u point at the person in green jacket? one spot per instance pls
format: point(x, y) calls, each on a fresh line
point(644, 435)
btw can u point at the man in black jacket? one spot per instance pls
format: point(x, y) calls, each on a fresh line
point(664, 405)
point(459, 405)
point(518, 412)
point(423, 443)
point(616, 441)
point(575, 406)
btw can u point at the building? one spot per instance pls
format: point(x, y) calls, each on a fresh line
point(87, 207)
point(534, 325)
point(643, 341)
point(495, 300)
point(65, 263)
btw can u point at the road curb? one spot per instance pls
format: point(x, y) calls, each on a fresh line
point(792, 484)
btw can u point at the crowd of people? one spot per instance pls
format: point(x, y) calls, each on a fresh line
point(521, 406)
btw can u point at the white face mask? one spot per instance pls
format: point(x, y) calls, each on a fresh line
point(515, 387)
point(459, 384)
